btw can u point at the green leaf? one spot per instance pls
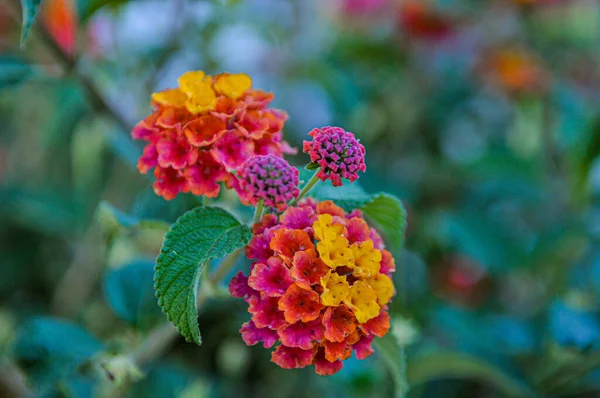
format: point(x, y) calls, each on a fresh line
point(123, 146)
point(395, 357)
point(148, 205)
point(110, 217)
point(79, 387)
point(389, 216)
point(584, 155)
point(54, 349)
point(312, 166)
point(14, 70)
point(87, 8)
point(42, 210)
point(199, 235)
point(129, 292)
point(29, 11)
point(462, 366)
point(113, 221)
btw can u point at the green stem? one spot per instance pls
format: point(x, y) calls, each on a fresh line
point(311, 183)
point(258, 212)
point(206, 272)
point(225, 266)
point(157, 341)
point(162, 336)
point(70, 66)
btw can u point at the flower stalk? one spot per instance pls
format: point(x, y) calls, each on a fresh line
point(307, 187)
point(258, 212)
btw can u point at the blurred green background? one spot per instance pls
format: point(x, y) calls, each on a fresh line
point(481, 115)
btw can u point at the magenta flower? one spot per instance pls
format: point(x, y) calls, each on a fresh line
point(260, 248)
point(363, 348)
point(268, 178)
point(299, 218)
point(324, 367)
point(292, 358)
point(265, 312)
point(149, 158)
point(169, 182)
point(238, 287)
point(338, 154)
point(301, 334)
point(176, 153)
point(251, 334)
point(272, 278)
point(232, 149)
point(204, 176)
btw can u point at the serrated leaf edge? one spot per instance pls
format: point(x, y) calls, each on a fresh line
point(197, 274)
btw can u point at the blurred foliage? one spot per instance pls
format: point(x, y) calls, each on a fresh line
point(481, 115)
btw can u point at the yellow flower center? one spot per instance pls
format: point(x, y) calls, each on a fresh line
point(335, 253)
point(372, 289)
point(335, 289)
point(170, 97)
point(233, 85)
point(201, 101)
point(362, 300)
point(367, 259)
point(193, 81)
point(383, 287)
point(198, 88)
point(325, 229)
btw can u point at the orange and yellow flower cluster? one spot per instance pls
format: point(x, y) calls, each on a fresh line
point(204, 129)
point(319, 287)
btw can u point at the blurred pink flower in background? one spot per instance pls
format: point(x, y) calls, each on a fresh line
point(61, 20)
point(359, 7)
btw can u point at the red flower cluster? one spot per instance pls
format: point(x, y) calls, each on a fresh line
point(422, 21)
point(203, 129)
point(320, 286)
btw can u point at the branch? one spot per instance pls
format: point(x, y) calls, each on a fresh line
point(70, 65)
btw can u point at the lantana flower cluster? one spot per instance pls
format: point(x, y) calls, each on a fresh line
point(336, 153)
point(204, 129)
point(319, 287)
point(267, 178)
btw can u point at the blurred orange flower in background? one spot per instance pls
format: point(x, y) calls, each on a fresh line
point(515, 70)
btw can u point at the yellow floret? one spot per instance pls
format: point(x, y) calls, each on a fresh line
point(325, 229)
point(367, 259)
point(383, 287)
point(336, 253)
point(233, 85)
point(362, 300)
point(194, 81)
point(170, 97)
point(202, 101)
point(335, 289)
